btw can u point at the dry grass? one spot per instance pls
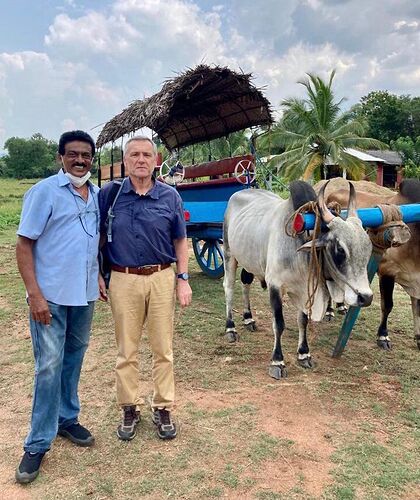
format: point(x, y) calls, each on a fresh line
point(348, 429)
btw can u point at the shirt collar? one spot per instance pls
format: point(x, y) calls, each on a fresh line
point(153, 193)
point(63, 180)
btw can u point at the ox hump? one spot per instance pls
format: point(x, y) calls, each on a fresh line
point(301, 192)
point(410, 189)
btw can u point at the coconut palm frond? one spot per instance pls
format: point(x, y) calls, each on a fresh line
point(315, 162)
point(314, 128)
point(353, 165)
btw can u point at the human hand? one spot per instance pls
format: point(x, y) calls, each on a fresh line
point(184, 293)
point(103, 296)
point(39, 309)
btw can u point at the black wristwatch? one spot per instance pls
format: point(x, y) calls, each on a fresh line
point(183, 276)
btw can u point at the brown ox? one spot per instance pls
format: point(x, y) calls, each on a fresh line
point(399, 264)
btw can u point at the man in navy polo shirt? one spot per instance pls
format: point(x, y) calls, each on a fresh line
point(57, 252)
point(148, 235)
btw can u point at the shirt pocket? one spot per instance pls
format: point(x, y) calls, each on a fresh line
point(160, 217)
point(123, 216)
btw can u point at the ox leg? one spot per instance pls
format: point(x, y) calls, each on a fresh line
point(329, 313)
point(386, 285)
point(303, 354)
point(415, 306)
point(277, 368)
point(229, 284)
point(246, 279)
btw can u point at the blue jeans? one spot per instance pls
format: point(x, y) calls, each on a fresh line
point(58, 351)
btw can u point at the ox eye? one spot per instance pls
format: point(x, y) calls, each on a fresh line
point(338, 254)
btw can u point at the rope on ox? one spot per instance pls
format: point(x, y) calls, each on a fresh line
point(392, 218)
point(379, 236)
point(315, 260)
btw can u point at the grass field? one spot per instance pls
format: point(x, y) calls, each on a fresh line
point(349, 429)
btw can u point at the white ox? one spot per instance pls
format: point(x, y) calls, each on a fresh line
point(255, 238)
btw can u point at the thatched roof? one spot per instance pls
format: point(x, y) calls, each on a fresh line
point(199, 105)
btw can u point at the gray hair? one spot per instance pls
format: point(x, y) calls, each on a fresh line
point(140, 138)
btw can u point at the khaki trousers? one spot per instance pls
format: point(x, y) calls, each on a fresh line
point(137, 299)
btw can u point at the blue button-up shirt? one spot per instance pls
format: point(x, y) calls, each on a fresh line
point(144, 226)
point(66, 232)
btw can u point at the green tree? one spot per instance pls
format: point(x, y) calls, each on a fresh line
point(390, 116)
point(110, 154)
point(415, 116)
point(410, 151)
point(34, 157)
point(2, 167)
point(313, 129)
point(236, 143)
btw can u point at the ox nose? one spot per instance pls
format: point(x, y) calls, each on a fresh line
point(364, 299)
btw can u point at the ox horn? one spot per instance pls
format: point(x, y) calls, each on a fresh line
point(351, 212)
point(326, 215)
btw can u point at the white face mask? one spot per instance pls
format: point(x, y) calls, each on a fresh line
point(77, 181)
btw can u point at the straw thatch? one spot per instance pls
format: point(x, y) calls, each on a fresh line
point(199, 105)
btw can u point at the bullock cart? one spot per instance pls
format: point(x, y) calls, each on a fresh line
point(198, 106)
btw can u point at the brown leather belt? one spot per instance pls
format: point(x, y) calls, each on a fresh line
point(144, 270)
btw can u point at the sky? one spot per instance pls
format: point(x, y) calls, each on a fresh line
point(74, 64)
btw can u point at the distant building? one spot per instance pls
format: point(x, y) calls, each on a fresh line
point(387, 165)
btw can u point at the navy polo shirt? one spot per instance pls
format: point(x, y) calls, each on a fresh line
point(144, 226)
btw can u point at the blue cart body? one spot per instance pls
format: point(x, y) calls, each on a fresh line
point(205, 205)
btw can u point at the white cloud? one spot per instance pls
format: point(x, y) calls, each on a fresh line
point(97, 61)
point(91, 34)
point(39, 94)
point(406, 27)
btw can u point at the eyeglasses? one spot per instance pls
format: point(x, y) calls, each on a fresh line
point(72, 155)
point(84, 213)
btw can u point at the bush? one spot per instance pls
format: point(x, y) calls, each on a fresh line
point(411, 170)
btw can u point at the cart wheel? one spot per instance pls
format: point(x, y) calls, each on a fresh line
point(245, 171)
point(172, 174)
point(209, 255)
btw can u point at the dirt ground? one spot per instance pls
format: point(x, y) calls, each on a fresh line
point(308, 416)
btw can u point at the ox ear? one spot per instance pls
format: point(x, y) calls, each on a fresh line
point(319, 243)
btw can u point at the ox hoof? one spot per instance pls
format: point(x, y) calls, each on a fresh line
point(231, 337)
point(384, 344)
point(277, 371)
point(251, 327)
point(305, 363)
point(329, 316)
point(342, 310)
point(418, 342)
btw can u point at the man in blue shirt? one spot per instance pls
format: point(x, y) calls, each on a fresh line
point(148, 234)
point(56, 252)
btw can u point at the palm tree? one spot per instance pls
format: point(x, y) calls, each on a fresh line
point(313, 129)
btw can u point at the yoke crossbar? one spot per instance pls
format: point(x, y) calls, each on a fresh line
point(370, 217)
